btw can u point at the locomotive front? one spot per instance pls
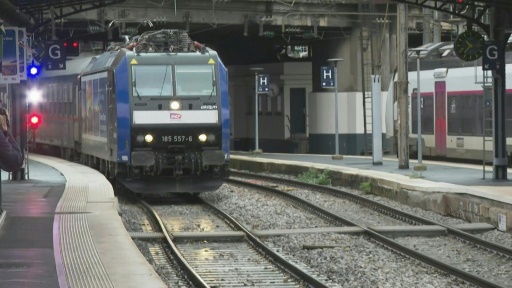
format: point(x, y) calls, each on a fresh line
point(179, 136)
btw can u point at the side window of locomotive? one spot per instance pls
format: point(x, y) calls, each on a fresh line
point(152, 81)
point(195, 80)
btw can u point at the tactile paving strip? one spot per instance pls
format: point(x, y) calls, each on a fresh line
point(81, 263)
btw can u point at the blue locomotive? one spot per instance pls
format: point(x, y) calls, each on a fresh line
point(154, 114)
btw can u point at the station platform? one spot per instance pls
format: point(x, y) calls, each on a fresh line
point(61, 229)
point(451, 189)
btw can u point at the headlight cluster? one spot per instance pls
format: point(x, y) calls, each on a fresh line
point(203, 137)
point(148, 138)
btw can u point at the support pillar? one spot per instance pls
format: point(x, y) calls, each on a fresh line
point(402, 88)
point(427, 29)
point(498, 25)
point(19, 125)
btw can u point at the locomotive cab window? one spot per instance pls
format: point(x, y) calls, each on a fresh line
point(195, 80)
point(152, 81)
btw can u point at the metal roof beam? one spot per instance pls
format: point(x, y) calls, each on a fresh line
point(453, 7)
point(13, 16)
point(82, 8)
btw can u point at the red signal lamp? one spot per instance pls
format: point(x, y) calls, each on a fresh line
point(72, 48)
point(34, 121)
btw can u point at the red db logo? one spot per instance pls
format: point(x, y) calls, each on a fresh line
point(175, 116)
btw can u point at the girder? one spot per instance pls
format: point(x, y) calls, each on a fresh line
point(39, 10)
point(77, 9)
point(46, 5)
point(471, 11)
point(10, 14)
point(324, 13)
point(277, 16)
point(435, 4)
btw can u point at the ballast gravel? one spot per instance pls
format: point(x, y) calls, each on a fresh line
point(356, 261)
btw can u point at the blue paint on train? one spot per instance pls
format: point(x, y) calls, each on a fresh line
point(123, 112)
point(224, 103)
point(180, 142)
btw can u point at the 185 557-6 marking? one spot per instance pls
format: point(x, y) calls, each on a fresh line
point(177, 138)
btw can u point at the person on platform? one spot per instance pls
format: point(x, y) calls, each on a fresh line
point(11, 158)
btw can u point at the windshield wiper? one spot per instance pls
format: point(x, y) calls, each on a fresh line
point(213, 89)
point(136, 91)
point(213, 82)
point(135, 85)
point(163, 82)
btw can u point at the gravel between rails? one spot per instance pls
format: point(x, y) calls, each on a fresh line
point(347, 209)
point(489, 265)
point(249, 210)
point(358, 262)
point(495, 236)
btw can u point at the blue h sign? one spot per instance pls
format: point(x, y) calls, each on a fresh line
point(327, 77)
point(263, 83)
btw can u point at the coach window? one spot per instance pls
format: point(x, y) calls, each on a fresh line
point(465, 114)
point(152, 81)
point(195, 80)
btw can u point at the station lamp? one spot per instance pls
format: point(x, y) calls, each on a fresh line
point(34, 96)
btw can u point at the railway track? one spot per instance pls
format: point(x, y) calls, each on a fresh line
point(222, 252)
point(480, 253)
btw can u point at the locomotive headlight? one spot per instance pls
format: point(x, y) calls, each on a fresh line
point(202, 137)
point(140, 138)
point(175, 105)
point(149, 138)
point(211, 137)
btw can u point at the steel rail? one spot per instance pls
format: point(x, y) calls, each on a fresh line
point(379, 206)
point(254, 240)
point(461, 274)
point(189, 271)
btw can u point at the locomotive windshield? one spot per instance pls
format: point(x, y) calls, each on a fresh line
point(152, 80)
point(195, 80)
point(157, 80)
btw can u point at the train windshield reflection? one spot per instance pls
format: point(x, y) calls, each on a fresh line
point(152, 80)
point(195, 80)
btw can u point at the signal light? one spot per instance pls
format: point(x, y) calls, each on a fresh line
point(33, 70)
point(34, 120)
point(72, 48)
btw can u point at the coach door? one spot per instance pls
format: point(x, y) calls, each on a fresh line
point(440, 98)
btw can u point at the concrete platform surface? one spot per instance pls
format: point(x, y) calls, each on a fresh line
point(61, 229)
